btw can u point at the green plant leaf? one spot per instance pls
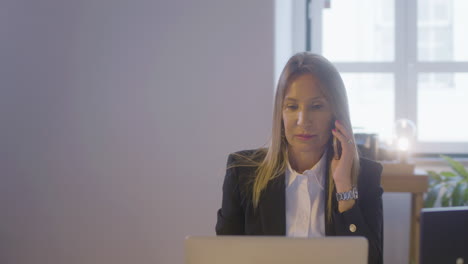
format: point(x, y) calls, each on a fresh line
point(445, 200)
point(454, 185)
point(448, 174)
point(465, 195)
point(431, 196)
point(435, 176)
point(433, 182)
point(456, 166)
point(457, 195)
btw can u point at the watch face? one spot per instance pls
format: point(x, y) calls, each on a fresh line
point(355, 192)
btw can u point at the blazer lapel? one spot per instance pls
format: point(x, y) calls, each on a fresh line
point(272, 208)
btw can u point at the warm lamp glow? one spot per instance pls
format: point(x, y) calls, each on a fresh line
point(405, 138)
point(403, 144)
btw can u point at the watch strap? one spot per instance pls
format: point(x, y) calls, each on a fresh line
point(349, 195)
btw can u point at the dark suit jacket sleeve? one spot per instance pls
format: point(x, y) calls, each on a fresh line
point(367, 213)
point(231, 215)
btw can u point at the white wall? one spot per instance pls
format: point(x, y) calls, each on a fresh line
point(117, 118)
point(116, 121)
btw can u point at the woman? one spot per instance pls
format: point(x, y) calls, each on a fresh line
point(310, 181)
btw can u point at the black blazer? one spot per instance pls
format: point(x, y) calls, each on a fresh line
point(237, 216)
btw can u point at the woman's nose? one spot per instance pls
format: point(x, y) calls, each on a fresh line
point(302, 119)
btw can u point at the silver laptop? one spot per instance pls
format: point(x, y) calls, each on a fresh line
point(275, 250)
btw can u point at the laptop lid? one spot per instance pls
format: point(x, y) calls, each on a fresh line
point(444, 235)
point(275, 250)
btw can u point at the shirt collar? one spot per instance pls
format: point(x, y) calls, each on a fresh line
point(317, 172)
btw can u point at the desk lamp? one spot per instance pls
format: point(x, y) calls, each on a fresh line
point(404, 138)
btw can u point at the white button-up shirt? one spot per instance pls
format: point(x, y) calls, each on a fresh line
point(305, 201)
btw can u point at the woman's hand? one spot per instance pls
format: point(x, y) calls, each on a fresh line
point(341, 168)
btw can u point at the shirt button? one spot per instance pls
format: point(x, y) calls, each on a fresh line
point(352, 228)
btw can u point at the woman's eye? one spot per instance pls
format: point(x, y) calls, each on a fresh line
point(291, 107)
point(316, 106)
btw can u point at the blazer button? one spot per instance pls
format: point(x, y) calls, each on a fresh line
point(352, 228)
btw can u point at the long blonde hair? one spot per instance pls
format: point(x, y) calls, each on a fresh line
point(275, 159)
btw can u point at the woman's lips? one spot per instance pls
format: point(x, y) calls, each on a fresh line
point(305, 136)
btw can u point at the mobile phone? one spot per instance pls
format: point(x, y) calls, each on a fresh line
point(336, 147)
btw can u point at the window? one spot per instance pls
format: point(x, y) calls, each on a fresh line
point(399, 59)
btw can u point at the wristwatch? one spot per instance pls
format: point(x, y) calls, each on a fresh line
point(349, 195)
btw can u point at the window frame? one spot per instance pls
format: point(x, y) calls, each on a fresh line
point(405, 67)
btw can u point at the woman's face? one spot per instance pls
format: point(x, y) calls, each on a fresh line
point(307, 115)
